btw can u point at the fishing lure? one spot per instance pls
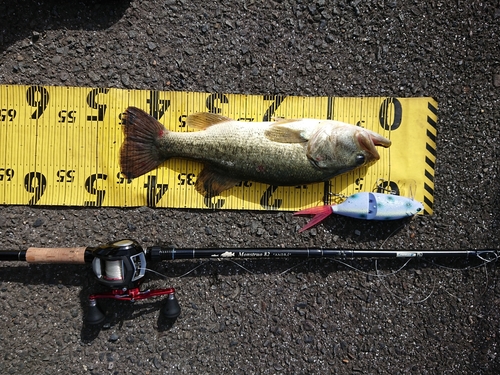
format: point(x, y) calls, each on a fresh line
point(368, 206)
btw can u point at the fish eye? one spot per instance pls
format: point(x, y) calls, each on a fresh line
point(360, 159)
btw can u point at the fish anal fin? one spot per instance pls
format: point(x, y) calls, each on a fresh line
point(211, 182)
point(282, 134)
point(203, 120)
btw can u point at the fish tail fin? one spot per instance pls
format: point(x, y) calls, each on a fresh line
point(140, 152)
point(320, 213)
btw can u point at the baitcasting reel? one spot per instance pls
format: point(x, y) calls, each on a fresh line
point(121, 265)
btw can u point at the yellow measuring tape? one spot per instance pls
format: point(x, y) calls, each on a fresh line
point(60, 146)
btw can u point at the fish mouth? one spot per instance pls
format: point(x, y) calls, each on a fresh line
point(368, 141)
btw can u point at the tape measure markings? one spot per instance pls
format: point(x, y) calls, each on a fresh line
point(62, 144)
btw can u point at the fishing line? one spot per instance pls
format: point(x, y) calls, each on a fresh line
point(239, 265)
point(479, 256)
point(291, 268)
point(198, 266)
point(407, 300)
point(390, 235)
point(381, 187)
point(487, 282)
point(482, 265)
point(208, 261)
point(156, 272)
point(371, 274)
point(399, 298)
point(379, 275)
point(452, 295)
point(113, 270)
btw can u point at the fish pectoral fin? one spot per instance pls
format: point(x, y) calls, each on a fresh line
point(203, 120)
point(211, 182)
point(282, 134)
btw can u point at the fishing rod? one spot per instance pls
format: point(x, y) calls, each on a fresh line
point(121, 265)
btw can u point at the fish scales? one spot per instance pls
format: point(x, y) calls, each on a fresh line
point(246, 155)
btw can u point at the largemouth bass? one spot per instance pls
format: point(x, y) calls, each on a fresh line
point(283, 152)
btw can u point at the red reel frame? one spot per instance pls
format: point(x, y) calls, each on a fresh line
point(121, 265)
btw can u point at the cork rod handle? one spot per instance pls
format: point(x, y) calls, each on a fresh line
point(71, 255)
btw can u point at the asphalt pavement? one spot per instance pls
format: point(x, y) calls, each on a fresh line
point(286, 316)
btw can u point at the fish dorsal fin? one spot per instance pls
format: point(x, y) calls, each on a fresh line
point(203, 120)
point(283, 134)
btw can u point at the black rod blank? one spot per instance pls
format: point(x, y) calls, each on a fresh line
point(13, 256)
point(160, 253)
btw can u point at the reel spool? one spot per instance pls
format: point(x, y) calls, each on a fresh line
point(121, 265)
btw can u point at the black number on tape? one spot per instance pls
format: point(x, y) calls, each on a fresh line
point(359, 183)
point(329, 108)
point(276, 102)
point(90, 187)
point(213, 100)
point(37, 96)
point(390, 109)
point(186, 179)
point(266, 198)
point(219, 203)
point(65, 176)
point(327, 193)
point(157, 106)
point(92, 102)
point(35, 182)
point(121, 179)
point(7, 113)
point(67, 116)
point(244, 184)
point(182, 121)
point(6, 173)
point(154, 191)
point(388, 187)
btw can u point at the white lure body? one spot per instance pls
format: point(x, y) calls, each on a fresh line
point(377, 206)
